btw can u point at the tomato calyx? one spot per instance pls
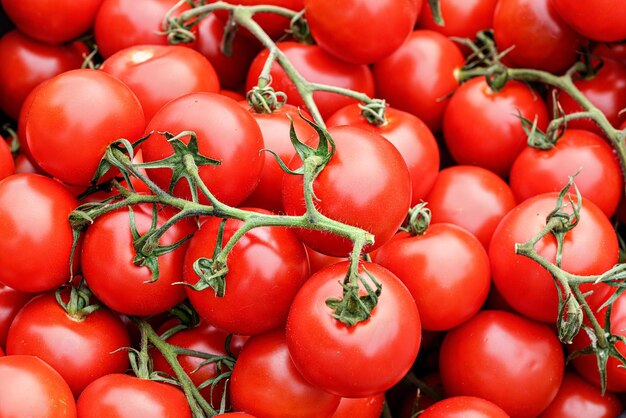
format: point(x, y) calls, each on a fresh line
point(418, 220)
point(79, 305)
point(299, 29)
point(11, 138)
point(353, 308)
point(435, 9)
point(212, 271)
point(263, 99)
point(374, 112)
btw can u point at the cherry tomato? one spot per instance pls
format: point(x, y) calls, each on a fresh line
point(462, 18)
point(369, 407)
point(7, 165)
point(616, 52)
point(460, 406)
point(318, 261)
point(600, 20)
point(11, 301)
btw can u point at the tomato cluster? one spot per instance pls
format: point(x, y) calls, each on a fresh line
point(237, 209)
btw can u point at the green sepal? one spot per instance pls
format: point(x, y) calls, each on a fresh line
point(570, 317)
point(567, 221)
point(79, 305)
point(352, 308)
point(435, 10)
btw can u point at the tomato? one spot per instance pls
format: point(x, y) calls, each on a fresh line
point(353, 361)
point(80, 349)
point(369, 407)
point(225, 132)
point(462, 406)
point(7, 165)
point(462, 18)
point(341, 195)
point(600, 20)
point(264, 373)
point(31, 63)
point(409, 135)
point(24, 165)
point(318, 261)
point(590, 248)
point(420, 75)
point(236, 415)
point(316, 66)
point(11, 301)
point(338, 30)
point(52, 21)
point(495, 338)
point(446, 270)
point(472, 198)
point(122, 396)
point(31, 388)
point(541, 39)
point(494, 115)
point(111, 274)
point(577, 398)
point(91, 110)
point(537, 171)
point(273, 24)
point(616, 52)
point(158, 74)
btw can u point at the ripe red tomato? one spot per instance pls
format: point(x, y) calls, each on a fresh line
point(353, 361)
point(463, 18)
point(494, 115)
point(31, 388)
point(369, 407)
point(458, 406)
point(615, 52)
point(590, 248)
point(341, 195)
point(91, 110)
point(273, 24)
point(123, 396)
point(158, 74)
point(600, 20)
point(537, 171)
point(7, 165)
point(11, 301)
point(420, 75)
point(265, 373)
point(36, 237)
point(409, 135)
point(318, 261)
point(492, 338)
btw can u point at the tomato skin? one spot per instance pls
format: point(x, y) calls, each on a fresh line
point(409, 135)
point(31, 388)
point(493, 115)
point(123, 396)
point(464, 406)
point(369, 407)
point(616, 52)
point(418, 76)
point(590, 248)
point(33, 215)
point(7, 165)
point(463, 18)
point(361, 360)
point(318, 261)
point(148, 71)
point(336, 29)
point(537, 171)
point(264, 372)
point(11, 301)
point(80, 350)
point(600, 20)
point(317, 66)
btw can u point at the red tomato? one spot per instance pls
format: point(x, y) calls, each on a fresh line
point(24, 165)
point(318, 261)
point(11, 301)
point(369, 407)
point(446, 270)
point(7, 165)
point(31, 63)
point(339, 30)
point(316, 66)
point(265, 373)
point(495, 338)
point(472, 198)
point(420, 75)
point(577, 398)
point(80, 349)
point(409, 135)
point(537, 171)
point(273, 24)
point(225, 132)
point(122, 396)
point(52, 21)
point(36, 237)
point(494, 115)
point(236, 415)
point(464, 406)
point(463, 18)
point(360, 360)
point(616, 52)
point(267, 264)
point(590, 248)
point(31, 388)
point(91, 110)
point(341, 195)
point(600, 20)
point(158, 74)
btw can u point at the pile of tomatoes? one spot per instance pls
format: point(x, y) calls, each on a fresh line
point(180, 226)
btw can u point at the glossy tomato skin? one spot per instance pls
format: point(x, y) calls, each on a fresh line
point(409, 135)
point(33, 215)
point(600, 20)
point(318, 261)
point(266, 268)
point(81, 350)
point(358, 361)
point(463, 18)
point(590, 248)
point(475, 360)
point(7, 164)
point(495, 136)
point(158, 74)
point(368, 407)
point(91, 110)
point(32, 62)
point(361, 157)
point(420, 75)
point(446, 270)
point(123, 396)
point(338, 29)
point(264, 372)
point(225, 132)
point(316, 66)
point(11, 301)
point(464, 406)
point(537, 171)
point(31, 388)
